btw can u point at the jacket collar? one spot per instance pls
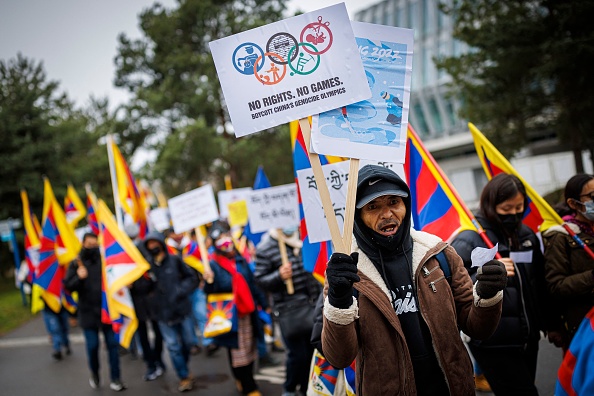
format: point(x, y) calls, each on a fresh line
point(424, 246)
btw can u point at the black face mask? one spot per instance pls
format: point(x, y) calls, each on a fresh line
point(511, 222)
point(89, 253)
point(155, 251)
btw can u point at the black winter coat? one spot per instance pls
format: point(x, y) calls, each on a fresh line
point(268, 261)
point(524, 297)
point(89, 292)
point(174, 286)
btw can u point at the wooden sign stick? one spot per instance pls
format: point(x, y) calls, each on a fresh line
point(349, 216)
point(284, 258)
point(204, 255)
point(316, 166)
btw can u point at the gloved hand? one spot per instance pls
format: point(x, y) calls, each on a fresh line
point(491, 278)
point(341, 274)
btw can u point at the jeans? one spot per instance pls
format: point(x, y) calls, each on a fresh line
point(92, 342)
point(178, 345)
point(299, 354)
point(57, 326)
point(199, 312)
point(151, 354)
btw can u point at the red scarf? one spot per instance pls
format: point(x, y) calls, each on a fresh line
point(241, 291)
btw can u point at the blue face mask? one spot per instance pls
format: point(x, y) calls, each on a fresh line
point(588, 213)
point(289, 230)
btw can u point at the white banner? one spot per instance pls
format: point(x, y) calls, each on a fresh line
point(376, 128)
point(290, 69)
point(228, 196)
point(193, 209)
point(160, 219)
point(274, 207)
point(336, 179)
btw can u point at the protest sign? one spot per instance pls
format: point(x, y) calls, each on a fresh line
point(290, 69)
point(193, 209)
point(238, 213)
point(274, 207)
point(336, 176)
point(227, 196)
point(160, 219)
point(374, 128)
point(189, 211)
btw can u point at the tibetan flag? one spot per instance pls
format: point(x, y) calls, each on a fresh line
point(349, 379)
point(539, 215)
point(73, 207)
point(122, 265)
point(91, 213)
point(222, 314)
point(191, 256)
point(69, 301)
point(436, 208)
point(31, 241)
point(575, 373)
point(315, 255)
point(324, 377)
point(56, 228)
point(129, 196)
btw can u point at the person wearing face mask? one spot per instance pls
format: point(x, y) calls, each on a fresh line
point(390, 306)
point(174, 284)
point(271, 276)
point(231, 274)
point(84, 277)
point(569, 269)
point(508, 358)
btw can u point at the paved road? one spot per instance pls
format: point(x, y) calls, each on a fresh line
point(26, 368)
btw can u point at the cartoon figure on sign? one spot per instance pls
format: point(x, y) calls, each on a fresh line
point(246, 58)
point(394, 107)
point(317, 33)
point(306, 63)
point(271, 76)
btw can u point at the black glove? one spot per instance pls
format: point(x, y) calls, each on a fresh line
point(491, 278)
point(341, 274)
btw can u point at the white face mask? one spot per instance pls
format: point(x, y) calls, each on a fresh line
point(589, 212)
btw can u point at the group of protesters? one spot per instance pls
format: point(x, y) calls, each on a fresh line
point(401, 304)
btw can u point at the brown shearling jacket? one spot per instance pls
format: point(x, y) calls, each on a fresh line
point(370, 331)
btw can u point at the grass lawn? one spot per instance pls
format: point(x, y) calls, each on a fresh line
point(12, 311)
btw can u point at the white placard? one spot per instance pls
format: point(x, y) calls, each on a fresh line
point(193, 209)
point(274, 207)
point(375, 128)
point(290, 69)
point(315, 220)
point(160, 219)
point(521, 257)
point(228, 196)
point(336, 179)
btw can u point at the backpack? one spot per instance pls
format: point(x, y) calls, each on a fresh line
point(445, 266)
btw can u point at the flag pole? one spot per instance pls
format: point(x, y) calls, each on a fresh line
point(284, 259)
point(479, 229)
point(114, 183)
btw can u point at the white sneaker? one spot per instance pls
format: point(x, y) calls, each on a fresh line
point(117, 386)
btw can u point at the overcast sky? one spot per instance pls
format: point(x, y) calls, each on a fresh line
point(77, 39)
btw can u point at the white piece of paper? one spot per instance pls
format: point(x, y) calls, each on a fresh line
point(521, 257)
point(480, 256)
point(160, 219)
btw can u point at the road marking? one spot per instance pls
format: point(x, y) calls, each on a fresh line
point(274, 375)
point(36, 341)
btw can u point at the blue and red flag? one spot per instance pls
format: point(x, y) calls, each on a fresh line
point(91, 214)
point(575, 373)
point(436, 208)
point(191, 256)
point(122, 265)
point(324, 376)
point(315, 255)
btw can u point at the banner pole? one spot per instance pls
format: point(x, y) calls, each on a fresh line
point(316, 166)
point(204, 255)
point(284, 258)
